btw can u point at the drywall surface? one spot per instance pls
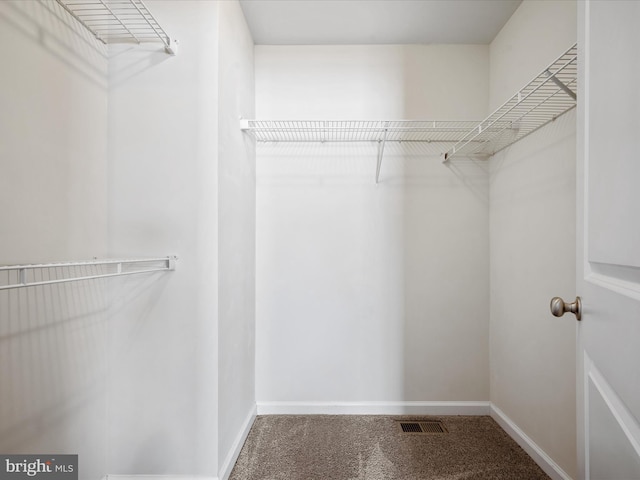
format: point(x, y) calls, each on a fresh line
point(390, 82)
point(532, 231)
point(53, 192)
point(365, 292)
point(236, 226)
point(535, 35)
point(54, 114)
point(163, 152)
point(119, 158)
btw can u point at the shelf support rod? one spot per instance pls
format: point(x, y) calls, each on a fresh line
point(562, 86)
point(381, 152)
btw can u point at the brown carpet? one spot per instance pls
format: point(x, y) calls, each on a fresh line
point(371, 447)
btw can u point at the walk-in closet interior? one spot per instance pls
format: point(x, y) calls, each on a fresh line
point(200, 226)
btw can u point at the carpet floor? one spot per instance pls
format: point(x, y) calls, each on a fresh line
point(372, 447)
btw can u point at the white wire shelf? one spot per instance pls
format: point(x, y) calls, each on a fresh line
point(380, 131)
point(545, 98)
point(19, 276)
point(356, 130)
point(119, 21)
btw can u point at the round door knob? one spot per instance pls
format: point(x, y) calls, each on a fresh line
point(559, 307)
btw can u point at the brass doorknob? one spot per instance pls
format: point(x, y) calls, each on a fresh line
point(559, 307)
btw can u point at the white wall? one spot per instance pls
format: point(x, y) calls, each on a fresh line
point(53, 192)
point(54, 114)
point(116, 154)
point(123, 161)
point(236, 226)
point(365, 292)
point(444, 82)
point(183, 182)
point(532, 216)
point(163, 149)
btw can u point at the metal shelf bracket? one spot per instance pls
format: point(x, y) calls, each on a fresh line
point(381, 145)
point(559, 83)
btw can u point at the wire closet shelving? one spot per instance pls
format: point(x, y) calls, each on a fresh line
point(19, 276)
point(356, 130)
point(542, 100)
point(546, 97)
point(119, 21)
point(379, 131)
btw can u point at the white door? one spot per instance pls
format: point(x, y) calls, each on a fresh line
point(608, 277)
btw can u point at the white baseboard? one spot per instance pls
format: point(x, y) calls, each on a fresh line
point(544, 461)
point(374, 408)
point(229, 462)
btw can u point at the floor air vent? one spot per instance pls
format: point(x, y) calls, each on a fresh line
point(422, 428)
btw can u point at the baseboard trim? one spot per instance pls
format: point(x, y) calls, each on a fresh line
point(544, 461)
point(230, 461)
point(374, 408)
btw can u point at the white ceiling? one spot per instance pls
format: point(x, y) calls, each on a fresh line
point(351, 22)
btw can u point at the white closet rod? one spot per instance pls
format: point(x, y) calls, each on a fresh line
point(22, 271)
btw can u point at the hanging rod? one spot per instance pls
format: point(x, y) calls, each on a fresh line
point(25, 274)
point(119, 21)
point(550, 94)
